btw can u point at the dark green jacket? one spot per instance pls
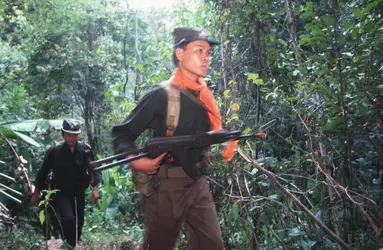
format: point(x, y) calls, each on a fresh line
point(70, 169)
point(150, 113)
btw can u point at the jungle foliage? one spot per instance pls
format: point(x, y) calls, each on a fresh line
point(315, 68)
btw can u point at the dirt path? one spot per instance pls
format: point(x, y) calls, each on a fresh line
point(55, 244)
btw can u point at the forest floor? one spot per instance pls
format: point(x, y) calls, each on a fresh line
point(56, 244)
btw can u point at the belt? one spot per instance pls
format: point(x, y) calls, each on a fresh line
point(171, 172)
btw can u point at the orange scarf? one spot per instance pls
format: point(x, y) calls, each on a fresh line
point(207, 98)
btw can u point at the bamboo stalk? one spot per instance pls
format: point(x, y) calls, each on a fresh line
point(11, 189)
point(8, 177)
point(10, 196)
point(4, 207)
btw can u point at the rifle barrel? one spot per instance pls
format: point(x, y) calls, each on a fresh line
point(115, 157)
point(243, 137)
point(123, 161)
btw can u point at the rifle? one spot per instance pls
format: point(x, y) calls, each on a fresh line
point(174, 144)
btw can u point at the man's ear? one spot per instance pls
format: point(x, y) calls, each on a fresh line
point(179, 54)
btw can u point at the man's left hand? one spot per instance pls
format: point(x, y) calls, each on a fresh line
point(95, 196)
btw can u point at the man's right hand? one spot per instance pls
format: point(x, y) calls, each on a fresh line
point(35, 198)
point(147, 165)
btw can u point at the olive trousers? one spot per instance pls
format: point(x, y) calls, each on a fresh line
point(181, 201)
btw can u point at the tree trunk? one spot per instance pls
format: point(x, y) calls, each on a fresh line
point(139, 61)
point(88, 118)
point(292, 28)
point(88, 99)
point(126, 64)
point(331, 192)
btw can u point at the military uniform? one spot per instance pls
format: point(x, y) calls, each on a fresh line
point(70, 175)
point(183, 195)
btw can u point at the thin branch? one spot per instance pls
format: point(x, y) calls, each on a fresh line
point(337, 186)
point(279, 239)
point(277, 185)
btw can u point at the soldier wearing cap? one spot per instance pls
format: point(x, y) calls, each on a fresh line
point(181, 193)
point(71, 175)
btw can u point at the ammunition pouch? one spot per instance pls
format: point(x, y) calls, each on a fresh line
point(207, 159)
point(146, 184)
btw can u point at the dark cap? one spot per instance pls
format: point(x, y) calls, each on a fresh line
point(187, 35)
point(71, 126)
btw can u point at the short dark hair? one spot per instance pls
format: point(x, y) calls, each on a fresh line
point(175, 59)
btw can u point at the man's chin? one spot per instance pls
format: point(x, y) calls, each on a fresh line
point(203, 73)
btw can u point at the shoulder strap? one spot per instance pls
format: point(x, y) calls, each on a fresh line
point(197, 101)
point(174, 105)
point(173, 112)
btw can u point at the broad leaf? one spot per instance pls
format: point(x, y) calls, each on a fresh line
point(27, 139)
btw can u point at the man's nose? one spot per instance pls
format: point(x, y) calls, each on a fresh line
point(206, 58)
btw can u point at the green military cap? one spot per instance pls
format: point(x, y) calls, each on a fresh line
point(71, 126)
point(184, 35)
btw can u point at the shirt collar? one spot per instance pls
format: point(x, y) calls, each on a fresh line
point(76, 147)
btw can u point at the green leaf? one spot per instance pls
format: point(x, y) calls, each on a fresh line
point(35, 125)
point(306, 15)
point(255, 79)
point(226, 93)
point(246, 131)
point(27, 139)
point(309, 5)
point(357, 13)
point(293, 98)
point(234, 211)
point(42, 216)
point(233, 116)
point(371, 6)
point(328, 20)
point(296, 72)
point(232, 82)
point(42, 203)
point(273, 197)
point(259, 82)
point(283, 42)
point(307, 244)
point(294, 232)
point(335, 124)
point(305, 39)
point(252, 76)
point(265, 90)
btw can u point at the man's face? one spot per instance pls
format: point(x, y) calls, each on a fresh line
point(194, 59)
point(71, 139)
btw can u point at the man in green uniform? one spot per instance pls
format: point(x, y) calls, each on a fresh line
point(181, 194)
point(69, 164)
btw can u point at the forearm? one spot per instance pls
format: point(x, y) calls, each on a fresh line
point(36, 191)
